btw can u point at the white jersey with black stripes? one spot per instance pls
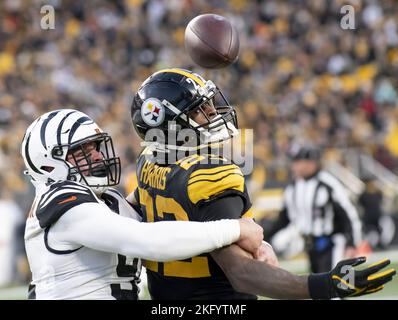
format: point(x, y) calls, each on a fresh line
point(79, 248)
point(62, 269)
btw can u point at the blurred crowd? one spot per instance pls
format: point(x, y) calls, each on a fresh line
point(300, 75)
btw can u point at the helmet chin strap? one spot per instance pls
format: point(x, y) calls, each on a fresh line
point(93, 181)
point(218, 134)
point(165, 152)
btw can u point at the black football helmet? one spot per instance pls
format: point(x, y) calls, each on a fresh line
point(165, 100)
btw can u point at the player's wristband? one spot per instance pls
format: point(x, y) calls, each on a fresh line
point(319, 286)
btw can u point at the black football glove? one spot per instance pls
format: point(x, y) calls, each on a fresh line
point(344, 281)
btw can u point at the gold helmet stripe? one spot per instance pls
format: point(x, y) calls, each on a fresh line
point(184, 73)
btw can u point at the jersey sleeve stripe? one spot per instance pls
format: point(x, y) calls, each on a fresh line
point(61, 186)
point(203, 190)
point(213, 170)
point(51, 192)
point(59, 206)
point(62, 192)
point(214, 175)
point(57, 186)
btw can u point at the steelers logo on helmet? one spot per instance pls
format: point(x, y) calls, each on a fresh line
point(152, 112)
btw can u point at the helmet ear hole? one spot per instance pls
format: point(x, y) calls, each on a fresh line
point(57, 152)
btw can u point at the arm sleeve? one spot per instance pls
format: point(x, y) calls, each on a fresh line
point(229, 207)
point(94, 226)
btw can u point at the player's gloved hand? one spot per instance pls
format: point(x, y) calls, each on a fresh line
point(344, 281)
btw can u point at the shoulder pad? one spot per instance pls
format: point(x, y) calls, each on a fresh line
point(208, 181)
point(61, 197)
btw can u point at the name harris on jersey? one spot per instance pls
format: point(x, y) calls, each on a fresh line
point(154, 175)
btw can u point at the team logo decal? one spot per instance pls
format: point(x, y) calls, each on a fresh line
point(152, 112)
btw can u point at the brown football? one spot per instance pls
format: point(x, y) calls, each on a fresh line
point(211, 41)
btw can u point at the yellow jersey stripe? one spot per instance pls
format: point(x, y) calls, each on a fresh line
point(216, 181)
point(213, 170)
point(197, 268)
point(151, 265)
point(184, 73)
point(203, 190)
point(248, 214)
point(214, 177)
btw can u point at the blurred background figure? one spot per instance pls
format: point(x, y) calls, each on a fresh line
point(318, 206)
point(12, 253)
point(378, 227)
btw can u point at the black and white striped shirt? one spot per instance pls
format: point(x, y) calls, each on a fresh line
point(319, 206)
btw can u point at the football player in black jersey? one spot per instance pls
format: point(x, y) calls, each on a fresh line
point(182, 118)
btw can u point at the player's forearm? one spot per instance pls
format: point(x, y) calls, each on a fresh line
point(259, 278)
point(265, 280)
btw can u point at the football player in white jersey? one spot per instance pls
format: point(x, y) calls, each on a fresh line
point(82, 238)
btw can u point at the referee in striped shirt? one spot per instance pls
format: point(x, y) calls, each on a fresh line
point(319, 206)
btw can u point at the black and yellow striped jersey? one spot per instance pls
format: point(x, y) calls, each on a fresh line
point(182, 191)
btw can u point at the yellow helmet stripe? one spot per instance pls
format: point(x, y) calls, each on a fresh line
point(184, 73)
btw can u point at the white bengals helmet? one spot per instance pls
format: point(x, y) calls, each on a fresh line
point(50, 138)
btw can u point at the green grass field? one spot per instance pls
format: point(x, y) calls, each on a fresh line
point(299, 266)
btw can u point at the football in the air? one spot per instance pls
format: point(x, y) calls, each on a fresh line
point(212, 41)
